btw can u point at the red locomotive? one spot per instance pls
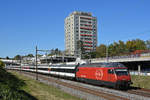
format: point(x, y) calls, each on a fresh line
point(109, 74)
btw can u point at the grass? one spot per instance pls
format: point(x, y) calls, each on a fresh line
point(42, 91)
point(19, 87)
point(10, 87)
point(141, 81)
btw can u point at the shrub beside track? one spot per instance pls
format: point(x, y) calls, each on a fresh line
point(10, 87)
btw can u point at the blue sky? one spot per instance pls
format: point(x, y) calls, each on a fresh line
point(27, 23)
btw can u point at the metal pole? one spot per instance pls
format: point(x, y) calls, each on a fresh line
point(107, 54)
point(36, 64)
point(139, 69)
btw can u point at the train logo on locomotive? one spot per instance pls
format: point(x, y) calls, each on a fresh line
point(99, 74)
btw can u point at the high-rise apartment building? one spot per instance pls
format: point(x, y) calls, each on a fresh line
point(80, 27)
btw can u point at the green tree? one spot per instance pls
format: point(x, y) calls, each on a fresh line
point(148, 44)
point(52, 52)
point(114, 49)
point(111, 49)
point(140, 44)
point(7, 57)
point(55, 52)
point(122, 48)
point(101, 51)
point(1, 64)
point(90, 55)
point(58, 52)
point(30, 55)
point(137, 44)
point(80, 48)
point(131, 46)
point(17, 57)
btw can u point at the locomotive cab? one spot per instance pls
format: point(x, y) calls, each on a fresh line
point(106, 74)
point(119, 75)
point(123, 78)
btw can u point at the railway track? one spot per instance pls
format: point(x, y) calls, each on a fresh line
point(99, 92)
point(142, 92)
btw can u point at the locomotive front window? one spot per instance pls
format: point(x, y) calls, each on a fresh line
point(110, 71)
point(120, 72)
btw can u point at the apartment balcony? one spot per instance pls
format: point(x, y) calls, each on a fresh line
point(85, 31)
point(88, 45)
point(88, 25)
point(86, 28)
point(88, 42)
point(87, 38)
point(88, 48)
point(88, 18)
point(86, 35)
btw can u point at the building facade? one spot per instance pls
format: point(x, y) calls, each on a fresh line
point(80, 32)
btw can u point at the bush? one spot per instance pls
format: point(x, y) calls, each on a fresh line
point(10, 87)
point(1, 64)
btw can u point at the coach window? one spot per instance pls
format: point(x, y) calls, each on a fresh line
point(110, 71)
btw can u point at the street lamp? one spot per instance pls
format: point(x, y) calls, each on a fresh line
point(36, 64)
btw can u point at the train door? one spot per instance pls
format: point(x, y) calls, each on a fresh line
point(111, 75)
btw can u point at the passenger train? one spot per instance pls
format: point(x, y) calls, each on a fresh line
point(114, 75)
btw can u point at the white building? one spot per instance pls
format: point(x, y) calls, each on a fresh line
point(80, 26)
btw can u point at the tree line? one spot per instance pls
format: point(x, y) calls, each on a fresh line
point(121, 48)
point(52, 52)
